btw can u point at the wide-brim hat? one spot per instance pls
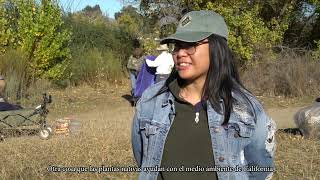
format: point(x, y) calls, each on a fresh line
point(198, 25)
point(163, 47)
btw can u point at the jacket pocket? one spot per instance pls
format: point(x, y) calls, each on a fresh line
point(150, 127)
point(150, 131)
point(238, 136)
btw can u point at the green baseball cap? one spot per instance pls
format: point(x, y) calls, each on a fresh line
point(198, 25)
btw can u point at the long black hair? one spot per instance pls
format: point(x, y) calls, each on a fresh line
point(222, 79)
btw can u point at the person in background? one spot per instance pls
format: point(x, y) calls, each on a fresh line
point(2, 87)
point(163, 63)
point(134, 65)
point(202, 117)
point(146, 78)
point(4, 105)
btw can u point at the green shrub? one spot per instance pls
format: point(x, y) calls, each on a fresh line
point(18, 89)
point(113, 70)
point(103, 35)
point(149, 46)
point(13, 66)
point(92, 65)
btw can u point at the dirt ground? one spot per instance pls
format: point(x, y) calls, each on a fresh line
point(283, 116)
point(103, 139)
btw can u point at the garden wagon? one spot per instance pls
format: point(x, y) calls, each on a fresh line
point(22, 119)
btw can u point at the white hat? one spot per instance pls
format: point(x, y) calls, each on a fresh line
point(163, 47)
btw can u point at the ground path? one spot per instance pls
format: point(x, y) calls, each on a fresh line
point(119, 106)
point(283, 116)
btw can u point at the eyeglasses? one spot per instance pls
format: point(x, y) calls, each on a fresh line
point(189, 48)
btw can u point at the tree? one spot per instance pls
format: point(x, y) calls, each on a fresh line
point(8, 25)
point(304, 27)
point(94, 14)
point(130, 21)
point(248, 31)
point(40, 33)
point(163, 15)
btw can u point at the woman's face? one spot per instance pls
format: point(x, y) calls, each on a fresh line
point(192, 60)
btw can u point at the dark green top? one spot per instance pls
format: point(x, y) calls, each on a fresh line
point(188, 143)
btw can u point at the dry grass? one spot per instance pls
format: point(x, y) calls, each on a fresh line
point(104, 139)
point(297, 158)
point(289, 75)
point(285, 102)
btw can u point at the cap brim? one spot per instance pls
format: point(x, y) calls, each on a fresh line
point(186, 37)
point(158, 49)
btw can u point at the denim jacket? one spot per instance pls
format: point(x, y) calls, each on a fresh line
point(247, 141)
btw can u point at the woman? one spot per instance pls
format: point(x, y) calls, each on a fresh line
point(201, 123)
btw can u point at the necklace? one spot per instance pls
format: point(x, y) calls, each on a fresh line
point(196, 119)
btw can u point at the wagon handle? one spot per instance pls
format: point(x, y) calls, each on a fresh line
point(46, 99)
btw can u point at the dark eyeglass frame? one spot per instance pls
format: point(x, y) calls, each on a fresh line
point(189, 48)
